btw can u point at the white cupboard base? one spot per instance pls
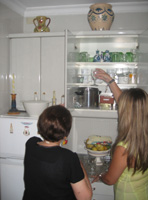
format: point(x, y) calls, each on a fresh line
point(102, 191)
point(11, 181)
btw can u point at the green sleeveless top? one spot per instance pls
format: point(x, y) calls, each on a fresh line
point(130, 187)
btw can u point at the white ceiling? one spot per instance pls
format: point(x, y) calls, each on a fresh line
point(42, 3)
point(48, 7)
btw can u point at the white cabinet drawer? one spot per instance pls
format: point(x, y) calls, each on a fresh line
point(102, 197)
point(100, 188)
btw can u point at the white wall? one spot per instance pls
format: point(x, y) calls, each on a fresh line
point(125, 21)
point(10, 22)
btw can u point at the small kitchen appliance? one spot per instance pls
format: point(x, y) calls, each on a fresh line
point(88, 97)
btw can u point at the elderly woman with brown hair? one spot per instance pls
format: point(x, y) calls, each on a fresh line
point(52, 172)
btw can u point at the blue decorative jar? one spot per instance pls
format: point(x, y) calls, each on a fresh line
point(97, 57)
point(106, 56)
point(100, 16)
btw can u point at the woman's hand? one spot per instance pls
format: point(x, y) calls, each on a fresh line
point(96, 179)
point(101, 74)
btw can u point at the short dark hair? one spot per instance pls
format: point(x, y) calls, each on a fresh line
point(54, 123)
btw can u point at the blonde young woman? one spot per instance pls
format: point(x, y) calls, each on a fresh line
point(128, 170)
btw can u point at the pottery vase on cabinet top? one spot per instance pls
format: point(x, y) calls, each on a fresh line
point(40, 24)
point(100, 16)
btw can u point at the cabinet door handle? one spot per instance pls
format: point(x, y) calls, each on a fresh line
point(93, 188)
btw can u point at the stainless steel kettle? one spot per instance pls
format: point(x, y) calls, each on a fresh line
point(88, 97)
point(91, 97)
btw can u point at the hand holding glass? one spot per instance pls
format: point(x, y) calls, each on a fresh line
point(93, 75)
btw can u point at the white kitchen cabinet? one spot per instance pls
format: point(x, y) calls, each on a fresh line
point(102, 197)
point(91, 123)
point(11, 182)
point(88, 121)
point(14, 132)
point(102, 191)
point(114, 41)
point(37, 62)
point(25, 65)
point(52, 67)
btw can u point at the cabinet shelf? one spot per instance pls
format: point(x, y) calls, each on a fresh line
point(103, 64)
point(102, 84)
point(107, 33)
point(94, 113)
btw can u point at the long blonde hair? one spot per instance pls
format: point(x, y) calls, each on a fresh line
point(133, 127)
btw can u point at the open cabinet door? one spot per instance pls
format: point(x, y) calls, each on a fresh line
point(71, 56)
point(143, 61)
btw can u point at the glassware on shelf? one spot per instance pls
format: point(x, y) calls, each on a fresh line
point(123, 76)
point(90, 59)
point(80, 78)
point(73, 57)
point(121, 57)
point(94, 78)
point(115, 57)
point(134, 52)
point(132, 76)
point(112, 73)
point(87, 75)
point(83, 57)
point(129, 57)
point(93, 75)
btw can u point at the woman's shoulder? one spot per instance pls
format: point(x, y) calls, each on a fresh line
point(69, 153)
point(33, 139)
point(122, 144)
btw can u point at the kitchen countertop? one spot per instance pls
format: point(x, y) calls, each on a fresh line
point(22, 114)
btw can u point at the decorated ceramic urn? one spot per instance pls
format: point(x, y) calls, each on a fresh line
point(40, 24)
point(100, 16)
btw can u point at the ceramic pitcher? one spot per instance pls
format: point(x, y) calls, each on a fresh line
point(40, 24)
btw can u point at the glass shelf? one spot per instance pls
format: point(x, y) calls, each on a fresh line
point(103, 65)
point(102, 84)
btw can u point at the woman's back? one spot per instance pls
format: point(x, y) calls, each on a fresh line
point(129, 186)
point(49, 172)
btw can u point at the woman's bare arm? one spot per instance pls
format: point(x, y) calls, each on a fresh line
point(83, 189)
point(101, 74)
point(117, 166)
